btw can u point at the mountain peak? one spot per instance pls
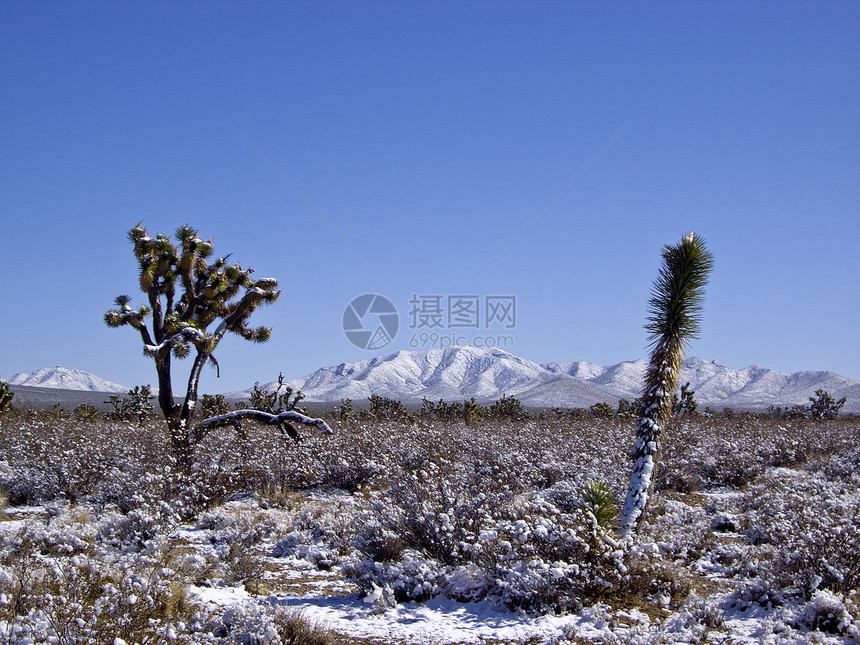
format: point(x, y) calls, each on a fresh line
point(61, 378)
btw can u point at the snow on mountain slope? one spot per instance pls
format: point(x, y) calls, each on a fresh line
point(487, 373)
point(791, 389)
point(565, 392)
point(451, 373)
point(60, 378)
point(622, 380)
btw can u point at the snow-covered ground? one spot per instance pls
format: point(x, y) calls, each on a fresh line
point(428, 532)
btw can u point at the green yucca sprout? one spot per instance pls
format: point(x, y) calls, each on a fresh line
point(673, 319)
point(598, 498)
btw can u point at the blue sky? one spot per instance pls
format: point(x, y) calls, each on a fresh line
point(396, 148)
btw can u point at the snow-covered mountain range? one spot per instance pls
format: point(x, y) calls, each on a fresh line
point(487, 373)
point(457, 373)
point(60, 378)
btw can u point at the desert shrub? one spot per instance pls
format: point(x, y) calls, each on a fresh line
point(213, 405)
point(601, 411)
point(508, 407)
point(468, 529)
point(830, 613)
point(236, 536)
point(379, 543)
point(382, 408)
point(439, 514)
point(556, 561)
point(86, 593)
point(295, 628)
point(813, 527)
point(411, 578)
point(269, 624)
point(337, 472)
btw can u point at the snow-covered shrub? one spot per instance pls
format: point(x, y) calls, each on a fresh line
point(844, 467)
point(440, 507)
point(239, 564)
point(241, 525)
point(379, 543)
point(60, 588)
point(831, 613)
point(549, 560)
point(295, 628)
point(267, 625)
point(236, 535)
point(337, 472)
point(813, 525)
point(413, 577)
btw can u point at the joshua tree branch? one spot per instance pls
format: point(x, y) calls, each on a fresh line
point(189, 334)
point(281, 420)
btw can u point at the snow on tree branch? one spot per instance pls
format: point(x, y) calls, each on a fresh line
point(281, 419)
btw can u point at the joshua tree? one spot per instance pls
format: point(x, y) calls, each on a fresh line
point(472, 410)
point(186, 294)
point(685, 403)
point(823, 406)
point(6, 396)
point(673, 320)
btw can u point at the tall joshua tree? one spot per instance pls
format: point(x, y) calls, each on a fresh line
point(187, 293)
point(674, 316)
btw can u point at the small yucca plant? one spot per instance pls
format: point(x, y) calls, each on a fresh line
point(598, 498)
point(673, 320)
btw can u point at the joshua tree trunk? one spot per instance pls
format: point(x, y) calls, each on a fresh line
point(674, 317)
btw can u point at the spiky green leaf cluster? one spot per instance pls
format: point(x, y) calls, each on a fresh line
point(676, 300)
point(674, 319)
point(597, 498)
point(209, 292)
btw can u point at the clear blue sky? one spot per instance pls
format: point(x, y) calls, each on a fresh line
point(428, 135)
